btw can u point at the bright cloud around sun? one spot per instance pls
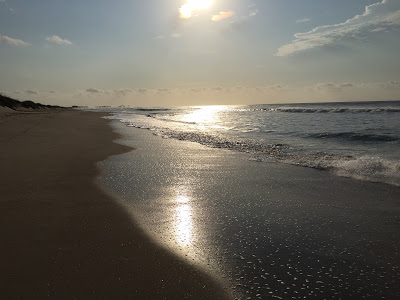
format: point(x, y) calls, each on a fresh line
point(187, 10)
point(222, 15)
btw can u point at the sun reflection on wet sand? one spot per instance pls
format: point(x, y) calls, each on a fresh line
point(184, 222)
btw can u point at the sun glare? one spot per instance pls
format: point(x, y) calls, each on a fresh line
point(205, 117)
point(198, 4)
point(186, 10)
point(183, 220)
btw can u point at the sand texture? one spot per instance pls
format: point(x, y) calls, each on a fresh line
point(61, 236)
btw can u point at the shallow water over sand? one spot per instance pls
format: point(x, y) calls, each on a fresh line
point(270, 230)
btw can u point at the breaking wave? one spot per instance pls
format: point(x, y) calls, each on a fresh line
point(371, 169)
point(151, 109)
point(330, 110)
point(367, 168)
point(354, 136)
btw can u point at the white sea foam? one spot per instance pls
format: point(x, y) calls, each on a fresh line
point(370, 168)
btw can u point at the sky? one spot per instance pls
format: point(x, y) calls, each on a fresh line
point(199, 52)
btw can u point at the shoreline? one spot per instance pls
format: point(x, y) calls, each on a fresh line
point(267, 229)
point(62, 236)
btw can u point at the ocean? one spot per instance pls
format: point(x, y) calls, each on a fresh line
point(278, 201)
point(360, 140)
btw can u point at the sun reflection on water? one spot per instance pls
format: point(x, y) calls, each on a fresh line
point(205, 116)
point(183, 219)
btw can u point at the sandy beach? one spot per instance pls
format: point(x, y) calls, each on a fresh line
point(61, 236)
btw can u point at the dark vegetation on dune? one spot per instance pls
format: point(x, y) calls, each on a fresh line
point(17, 105)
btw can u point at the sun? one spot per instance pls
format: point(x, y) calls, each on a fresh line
point(186, 10)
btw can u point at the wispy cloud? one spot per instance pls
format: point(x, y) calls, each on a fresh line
point(176, 35)
point(222, 15)
point(57, 40)
point(122, 92)
point(13, 42)
point(305, 20)
point(93, 91)
point(393, 84)
point(334, 86)
point(385, 14)
point(253, 13)
point(31, 92)
point(378, 29)
point(99, 92)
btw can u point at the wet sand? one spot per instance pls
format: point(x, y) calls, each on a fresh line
point(270, 230)
point(61, 236)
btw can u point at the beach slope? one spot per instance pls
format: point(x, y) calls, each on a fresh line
point(61, 236)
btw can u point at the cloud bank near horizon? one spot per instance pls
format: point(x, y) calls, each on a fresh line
point(328, 91)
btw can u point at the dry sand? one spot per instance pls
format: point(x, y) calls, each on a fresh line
point(61, 236)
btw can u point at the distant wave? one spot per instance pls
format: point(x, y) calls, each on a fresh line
point(151, 109)
point(331, 110)
point(354, 136)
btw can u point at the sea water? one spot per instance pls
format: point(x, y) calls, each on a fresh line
point(360, 140)
point(201, 184)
